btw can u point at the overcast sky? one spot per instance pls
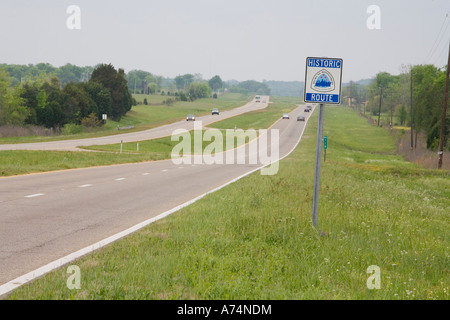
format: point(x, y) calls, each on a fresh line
point(236, 39)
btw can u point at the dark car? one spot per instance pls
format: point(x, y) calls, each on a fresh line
point(300, 118)
point(307, 109)
point(190, 117)
point(215, 111)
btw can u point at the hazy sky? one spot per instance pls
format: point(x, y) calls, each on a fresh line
point(236, 39)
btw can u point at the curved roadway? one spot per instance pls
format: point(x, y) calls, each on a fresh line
point(154, 133)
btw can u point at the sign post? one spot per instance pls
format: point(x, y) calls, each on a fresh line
point(323, 79)
point(104, 118)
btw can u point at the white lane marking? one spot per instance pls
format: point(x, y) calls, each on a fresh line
point(14, 284)
point(120, 179)
point(165, 170)
point(34, 195)
point(145, 174)
point(86, 186)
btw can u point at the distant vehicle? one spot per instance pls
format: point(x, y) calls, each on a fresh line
point(300, 118)
point(264, 101)
point(307, 110)
point(309, 107)
point(258, 98)
point(215, 111)
point(190, 117)
point(286, 116)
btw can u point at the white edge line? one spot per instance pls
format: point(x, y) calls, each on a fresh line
point(35, 195)
point(14, 284)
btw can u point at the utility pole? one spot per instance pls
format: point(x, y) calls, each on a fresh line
point(379, 109)
point(444, 113)
point(412, 118)
point(350, 94)
point(391, 115)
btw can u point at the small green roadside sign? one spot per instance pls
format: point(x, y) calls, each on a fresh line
point(325, 142)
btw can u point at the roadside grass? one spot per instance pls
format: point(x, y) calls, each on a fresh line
point(166, 145)
point(260, 119)
point(144, 117)
point(254, 239)
point(25, 162)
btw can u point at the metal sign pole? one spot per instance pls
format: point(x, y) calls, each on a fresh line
point(317, 169)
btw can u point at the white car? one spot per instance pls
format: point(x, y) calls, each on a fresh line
point(286, 116)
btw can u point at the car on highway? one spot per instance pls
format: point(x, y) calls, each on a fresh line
point(190, 117)
point(215, 111)
point(286, 116)
point(300, 118)
point(307, 109)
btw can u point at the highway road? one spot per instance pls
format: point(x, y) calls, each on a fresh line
point(154, 133)
point(47, 216)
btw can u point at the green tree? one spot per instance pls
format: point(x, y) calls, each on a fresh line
point(215, 83)
point(183, 82)
point(114, 80)
point(198, 90)
point(101, 97)
point(402, 114)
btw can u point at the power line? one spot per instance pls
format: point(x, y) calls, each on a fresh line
point(434, 47)
point(442, 52)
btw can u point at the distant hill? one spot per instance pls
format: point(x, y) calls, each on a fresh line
point(362, 82)
point(286, 88)
point(296, 88)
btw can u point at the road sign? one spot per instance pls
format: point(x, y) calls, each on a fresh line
point(325, 142)
point(323, 79)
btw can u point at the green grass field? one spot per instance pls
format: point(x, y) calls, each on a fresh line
point(260, 119)
point(254, 239)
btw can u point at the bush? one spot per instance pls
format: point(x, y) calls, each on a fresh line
point(72, 128)
point(169, 101)
point(91, 121)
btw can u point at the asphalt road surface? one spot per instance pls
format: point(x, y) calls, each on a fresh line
point(154, 133)
point(46, 216)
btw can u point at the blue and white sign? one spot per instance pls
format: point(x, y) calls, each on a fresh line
point(323, 80)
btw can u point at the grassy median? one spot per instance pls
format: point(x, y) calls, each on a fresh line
point(24, 162)
point(254, 238)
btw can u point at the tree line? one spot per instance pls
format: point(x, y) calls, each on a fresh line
point(415, 97)
point(45, 101)
point(249, 86)
point(54, 97)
